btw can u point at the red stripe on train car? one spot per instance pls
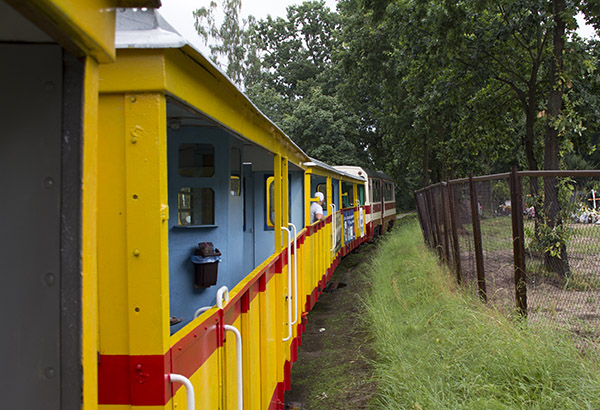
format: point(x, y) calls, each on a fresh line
point(390, 205)
point(376, 207)
point(135, 380)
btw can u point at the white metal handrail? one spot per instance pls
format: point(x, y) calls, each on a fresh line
point(189, 389)
point(240, 370)
point(289, 265)
point(333, 226)
point(222, 291)
point(201, 310)
point(295, 273)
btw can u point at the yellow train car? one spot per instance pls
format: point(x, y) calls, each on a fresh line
point(157, 239)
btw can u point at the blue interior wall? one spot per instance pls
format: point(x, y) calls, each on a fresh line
point(264, 239)
point(296, 191)
point(226, 235)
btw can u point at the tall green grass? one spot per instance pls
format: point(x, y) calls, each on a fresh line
point(438, 348)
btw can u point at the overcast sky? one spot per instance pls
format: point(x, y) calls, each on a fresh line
point(179, 14)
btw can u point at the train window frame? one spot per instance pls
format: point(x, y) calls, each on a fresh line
point(203, 169)
point(189, 216)
point(270, 208)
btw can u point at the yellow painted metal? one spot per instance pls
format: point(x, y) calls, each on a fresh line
point(251, 351)
point(307, 198)
point(132, 234)
point(278, 189)
point(89, 259)
point(230, 367)
point(112, 234)
point(84, 27)
point(147, 226)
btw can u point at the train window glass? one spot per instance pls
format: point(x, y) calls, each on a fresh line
point(196, 160)
point(361, 194)
point(235, 187)
point(270, 202)
point(196, 206)
point(376, 188)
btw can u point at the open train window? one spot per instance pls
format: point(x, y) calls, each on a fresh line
point(322, 188)
point(347, 195)
point(196, 206)
point(196, 160)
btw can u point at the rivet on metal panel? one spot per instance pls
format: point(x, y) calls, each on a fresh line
point(49, 279)
point(133, 98)
point(137, 309)
point(49, 373)
point(136, 252)
point(49, 183)
point(135, 196)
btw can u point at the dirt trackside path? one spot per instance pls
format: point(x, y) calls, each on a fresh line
point(333, 370)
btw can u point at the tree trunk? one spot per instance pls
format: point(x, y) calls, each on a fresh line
point(426, 178)
point(558, 263)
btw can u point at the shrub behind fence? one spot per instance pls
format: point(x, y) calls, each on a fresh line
point(525, 241)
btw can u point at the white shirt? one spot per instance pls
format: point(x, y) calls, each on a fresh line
point(315, 208)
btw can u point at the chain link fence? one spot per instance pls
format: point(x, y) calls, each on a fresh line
point(527, 242)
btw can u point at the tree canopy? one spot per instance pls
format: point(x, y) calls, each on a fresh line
point(424, 89)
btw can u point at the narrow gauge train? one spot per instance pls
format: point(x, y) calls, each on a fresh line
point(380, 198)
point(125, 150)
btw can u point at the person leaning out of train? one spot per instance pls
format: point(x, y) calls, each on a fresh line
point(316, 208)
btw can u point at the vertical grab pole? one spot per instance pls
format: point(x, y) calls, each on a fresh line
point(238, 349)
point(333, 226)
point(295, 273)
point(189, 389)
point(289, 296)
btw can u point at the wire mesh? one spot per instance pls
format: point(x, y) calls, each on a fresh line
point(561, 228)
point(494, 211)
point(464, 227)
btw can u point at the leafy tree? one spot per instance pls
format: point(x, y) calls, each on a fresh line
point(296, 85)
point(229, 40)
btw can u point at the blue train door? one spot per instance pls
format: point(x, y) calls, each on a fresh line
point(248, 190)
point(40, 211)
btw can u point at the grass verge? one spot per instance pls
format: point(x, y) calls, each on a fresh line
point(438, 348)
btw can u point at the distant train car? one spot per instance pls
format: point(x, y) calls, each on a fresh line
point(380, 199)
point(157, 244)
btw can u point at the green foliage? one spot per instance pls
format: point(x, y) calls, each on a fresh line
point(439, 348)
point(297, 83)
point(228, 40)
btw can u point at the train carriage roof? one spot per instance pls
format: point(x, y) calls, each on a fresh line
point(148, 30)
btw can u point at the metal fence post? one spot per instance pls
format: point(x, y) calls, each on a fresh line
point(436, 237)
point(518, 242)
point(457, 266)
point(445, 218)
point(477, 241)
